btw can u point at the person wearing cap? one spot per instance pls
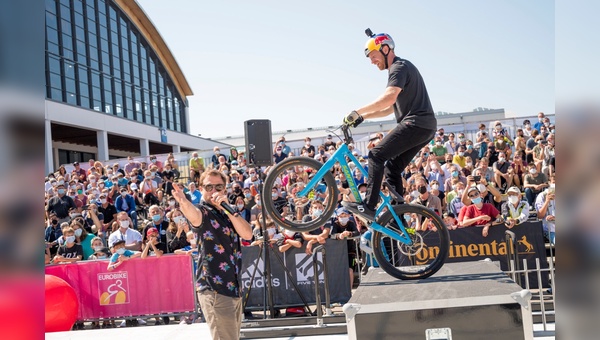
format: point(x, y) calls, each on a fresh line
point(125, 202)
point(153, 246)
point(219, 233)
point(344, 229)
point(328, 142)
point(478, 214)
point(308, 150)
point(515, 210)
point(488, 192)
point(319, 235)
point(121, 254)
point(60, 204)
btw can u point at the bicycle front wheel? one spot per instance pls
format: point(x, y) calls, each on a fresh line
point(291, 218)
point(429, 248)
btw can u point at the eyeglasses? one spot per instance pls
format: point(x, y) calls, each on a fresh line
point(210, 187)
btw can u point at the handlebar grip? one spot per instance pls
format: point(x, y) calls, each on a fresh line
point(358, 121)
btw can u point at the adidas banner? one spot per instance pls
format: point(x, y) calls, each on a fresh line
point(300, 265)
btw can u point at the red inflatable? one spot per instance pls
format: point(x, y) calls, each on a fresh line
point(61, 304)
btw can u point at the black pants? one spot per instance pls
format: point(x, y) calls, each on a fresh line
point(391, 156)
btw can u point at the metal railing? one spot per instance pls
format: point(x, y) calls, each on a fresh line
point(319, 309)
point(522, 277)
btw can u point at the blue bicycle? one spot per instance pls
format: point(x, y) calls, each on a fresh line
point(410, 241)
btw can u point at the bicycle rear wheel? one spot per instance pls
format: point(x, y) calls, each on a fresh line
point(428, 252)
point(326, 191)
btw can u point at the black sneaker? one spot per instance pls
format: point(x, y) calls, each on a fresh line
point(360, 209)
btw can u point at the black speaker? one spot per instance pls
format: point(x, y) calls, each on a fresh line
point(259, 146)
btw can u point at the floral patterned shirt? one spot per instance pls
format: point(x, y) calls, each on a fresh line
point(220, 255)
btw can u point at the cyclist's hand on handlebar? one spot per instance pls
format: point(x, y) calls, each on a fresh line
point(353, 119)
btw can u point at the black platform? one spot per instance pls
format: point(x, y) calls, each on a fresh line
point(469, 300)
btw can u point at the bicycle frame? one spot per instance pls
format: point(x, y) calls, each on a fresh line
point(340, 156)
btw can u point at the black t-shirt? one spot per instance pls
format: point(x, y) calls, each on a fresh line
point(412, 104)
point(108, 212)
point(71, 253)
point(502, 167)
point(61, 206)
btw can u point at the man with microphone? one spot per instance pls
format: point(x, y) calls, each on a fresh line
point(220, 230)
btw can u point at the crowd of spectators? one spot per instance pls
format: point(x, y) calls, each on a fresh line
point(110, 212)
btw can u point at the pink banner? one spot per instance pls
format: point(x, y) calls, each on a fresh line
point(138, 287)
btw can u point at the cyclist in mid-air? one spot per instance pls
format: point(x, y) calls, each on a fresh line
point(407, 97)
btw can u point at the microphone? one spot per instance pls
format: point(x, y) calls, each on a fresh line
point(227, 207)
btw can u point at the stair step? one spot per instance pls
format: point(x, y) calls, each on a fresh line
point(293, 331)
point(292, 321)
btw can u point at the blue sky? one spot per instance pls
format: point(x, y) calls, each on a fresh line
point(301, 64)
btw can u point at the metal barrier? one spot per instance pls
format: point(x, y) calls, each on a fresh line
point(542, 297)
point(512, 256)
point(321, 249)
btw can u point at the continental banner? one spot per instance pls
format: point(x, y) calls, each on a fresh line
point(300, 266)
point(467, 244)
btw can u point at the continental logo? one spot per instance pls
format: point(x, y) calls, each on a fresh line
point(526, 245)
point(493, 248)
point(113, 288)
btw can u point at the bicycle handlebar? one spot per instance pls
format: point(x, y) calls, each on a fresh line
point(347, 135)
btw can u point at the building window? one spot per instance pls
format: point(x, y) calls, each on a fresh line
point(96, 58)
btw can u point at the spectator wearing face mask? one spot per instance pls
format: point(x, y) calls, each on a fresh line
point(82, 237)
point(308, 150)
point(459, 158)
point(534, 182)
point(425, 198)
point(540, 121)
point(215, 157)
point(447, 164)
point(108, 211)
point(194, 193)
point(121, 254)
point(70, 251)
point(125, 202)
point(478, 214)
point(454, 173)
point(456, 204)
point(344, 229)
point(60, 204)
point(503, 172)
point(451, 145)
point(434, 172)
point(132, 238)
point(435, 190)
point(158, 221)
point(487, 192)
point(52, 233)
point(515, 210)
point(176, 232)
point(527, 129)
point(530, 144)
point(546, 209)
point(471, 152)
point(101, 252)
point(439, 150)
point(319, 235)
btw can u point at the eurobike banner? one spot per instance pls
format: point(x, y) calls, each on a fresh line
point(468, 244)
point(300, 266)
point(138, 287)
